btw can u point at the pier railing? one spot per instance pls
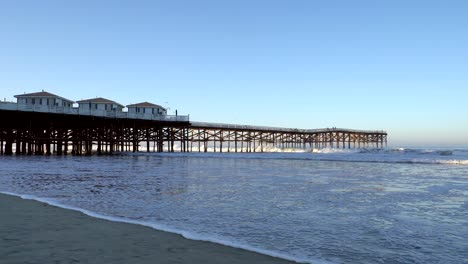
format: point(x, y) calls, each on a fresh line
point(93, 112)
point(278, 129)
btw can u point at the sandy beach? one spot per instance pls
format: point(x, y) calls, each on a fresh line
point(35, 232)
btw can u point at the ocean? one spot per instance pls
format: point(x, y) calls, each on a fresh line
point(329, 206)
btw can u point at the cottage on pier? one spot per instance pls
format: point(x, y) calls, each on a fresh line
point(99, 105)
point(146, 108)
point(43, 100)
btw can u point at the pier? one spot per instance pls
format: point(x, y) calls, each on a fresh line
point(243, 138)
point(27, 132)
point(44, 123)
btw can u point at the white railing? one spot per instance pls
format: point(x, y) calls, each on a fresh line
point(88, 112)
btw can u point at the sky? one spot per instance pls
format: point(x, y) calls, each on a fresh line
point(398, 66)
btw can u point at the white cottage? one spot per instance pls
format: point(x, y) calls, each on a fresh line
point(99, 105)
point(146, 108)
point(43, 100)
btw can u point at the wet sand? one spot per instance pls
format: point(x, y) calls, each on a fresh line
point(35, 232)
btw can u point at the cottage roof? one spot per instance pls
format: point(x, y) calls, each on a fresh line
point(146, 105)
point(42, 94)
point(98, 100)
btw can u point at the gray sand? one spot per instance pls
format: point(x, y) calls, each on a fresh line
point(34, 232)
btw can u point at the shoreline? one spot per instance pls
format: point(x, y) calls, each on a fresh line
point(37, 232)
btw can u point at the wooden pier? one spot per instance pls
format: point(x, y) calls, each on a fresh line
point(26, 133)
point(240, 138)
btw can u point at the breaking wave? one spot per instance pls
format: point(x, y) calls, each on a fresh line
point(394, 155)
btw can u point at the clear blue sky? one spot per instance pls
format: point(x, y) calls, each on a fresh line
point(400, 66)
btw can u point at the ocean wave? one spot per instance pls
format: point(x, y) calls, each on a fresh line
point(407, 156)
point(427, 151)
point(160, 227)
point(455, 162)
point(402, 161)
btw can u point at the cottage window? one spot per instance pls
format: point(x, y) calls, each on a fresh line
point(33, 101)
